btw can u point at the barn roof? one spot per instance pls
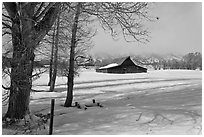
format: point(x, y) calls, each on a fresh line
point(109, 66)
point(119, 61)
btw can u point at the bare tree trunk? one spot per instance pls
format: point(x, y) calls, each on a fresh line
point(54, 73)
point(21, 74)
point(70, 81)
point(51, 58)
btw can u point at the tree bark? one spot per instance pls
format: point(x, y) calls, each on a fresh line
point(70, 81)
point(51, 58)
point(21, 83)
point(21, 69)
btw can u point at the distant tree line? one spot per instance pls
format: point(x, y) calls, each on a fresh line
point(190, 61)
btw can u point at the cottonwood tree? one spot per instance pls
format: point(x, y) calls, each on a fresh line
point(82, 37)
point(116, 18)
point(55, 53)
point(70, 81)
point(28, 23)
point(57, 40)
point(52, 54)
point(60, 41)
point(48, 49)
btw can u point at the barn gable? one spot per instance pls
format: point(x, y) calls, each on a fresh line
point(128, 62)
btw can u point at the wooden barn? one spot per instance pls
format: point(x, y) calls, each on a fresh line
point(126, 65)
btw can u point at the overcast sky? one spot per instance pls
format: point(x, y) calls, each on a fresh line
point(178, 31)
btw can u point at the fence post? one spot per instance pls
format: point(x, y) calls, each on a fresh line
point(51, 116)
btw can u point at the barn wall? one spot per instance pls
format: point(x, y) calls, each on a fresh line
point(102, 70)
point(126, 69)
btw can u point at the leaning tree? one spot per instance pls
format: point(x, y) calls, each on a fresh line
point(28, 23)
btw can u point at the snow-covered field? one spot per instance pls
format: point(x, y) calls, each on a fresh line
point(158, 102)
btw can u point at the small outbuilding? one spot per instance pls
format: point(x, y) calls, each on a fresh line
point(125, 65)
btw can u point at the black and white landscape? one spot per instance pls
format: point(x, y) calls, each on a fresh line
point(112, 68)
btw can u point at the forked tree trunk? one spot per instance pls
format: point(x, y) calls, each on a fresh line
point(70, 81)
point(26, 35)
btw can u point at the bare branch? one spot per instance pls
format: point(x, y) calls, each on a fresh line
point(37, 74)
point(6, 16)
point(7, 25)
point(6, 33)
point(6, 88)
point(46, 23)
point(51, 4)
point(38, 10)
